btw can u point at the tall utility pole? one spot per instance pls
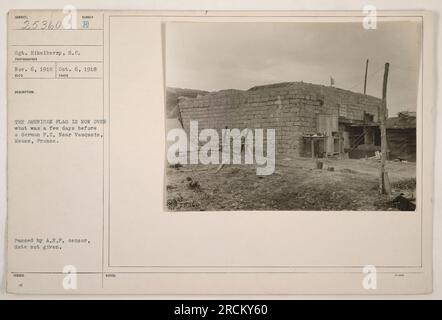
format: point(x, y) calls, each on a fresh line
point(365, 81)
point(385, 187)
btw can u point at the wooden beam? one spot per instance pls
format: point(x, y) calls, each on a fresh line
point(313, 148)
point(365, 80)
point(385, 187)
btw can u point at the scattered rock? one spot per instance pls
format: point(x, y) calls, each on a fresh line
point(194, 185)
point(319, 164)
point(403, 203)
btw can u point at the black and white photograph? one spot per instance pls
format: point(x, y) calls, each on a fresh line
point(292, 116)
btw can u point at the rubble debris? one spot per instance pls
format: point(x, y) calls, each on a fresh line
point(296, 186)
point(219, 167)
point(404, 184)
point(319, 164)
point(403, 203)
point(176, 166)
point(377, 156)
point(194, 185)
point(400, 160)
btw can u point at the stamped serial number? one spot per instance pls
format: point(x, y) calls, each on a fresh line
point(41, 25)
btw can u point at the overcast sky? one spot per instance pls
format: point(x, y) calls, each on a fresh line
point(216, 56)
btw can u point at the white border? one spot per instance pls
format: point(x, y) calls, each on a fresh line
point(433, 5)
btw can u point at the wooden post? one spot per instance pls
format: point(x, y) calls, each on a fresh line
point(313, 148)
point(385, 182)
point(365, 81)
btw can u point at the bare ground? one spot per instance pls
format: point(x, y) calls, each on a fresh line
point(295, 185)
